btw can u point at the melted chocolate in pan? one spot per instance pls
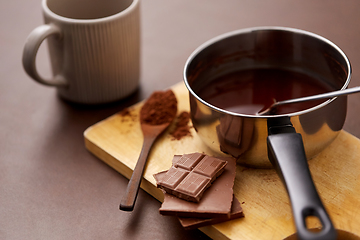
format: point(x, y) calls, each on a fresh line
point(249, 91)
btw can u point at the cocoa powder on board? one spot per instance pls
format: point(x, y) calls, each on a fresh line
point(182, 128)
point(160, 108)
point(128, 115)
point(125, 112)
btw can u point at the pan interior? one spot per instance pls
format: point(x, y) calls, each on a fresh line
point(298, 54)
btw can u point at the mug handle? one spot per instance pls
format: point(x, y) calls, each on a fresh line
point(32, 44)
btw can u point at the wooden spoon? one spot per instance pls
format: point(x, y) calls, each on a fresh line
point(155, 116)
point(150, 132)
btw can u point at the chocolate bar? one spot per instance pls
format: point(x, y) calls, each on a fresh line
point(216, 201)
point(190, 175)
point(192, 223)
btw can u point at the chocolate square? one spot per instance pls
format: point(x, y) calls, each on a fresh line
point(188, 161)
point(209, 166)
point(193, 186)
point(173, 177)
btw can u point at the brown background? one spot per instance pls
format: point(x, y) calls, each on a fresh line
point(51, 187)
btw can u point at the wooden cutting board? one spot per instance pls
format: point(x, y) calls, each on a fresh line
point(117, 141)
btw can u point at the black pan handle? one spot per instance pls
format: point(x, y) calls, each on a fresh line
point(286, 153)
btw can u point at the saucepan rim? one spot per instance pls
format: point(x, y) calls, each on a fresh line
point(253, 29)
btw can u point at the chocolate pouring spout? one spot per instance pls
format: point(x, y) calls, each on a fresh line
point(155, 116)
point(272, 109)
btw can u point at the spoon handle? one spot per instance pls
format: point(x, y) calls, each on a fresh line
point(128, 200)
point(320, 96)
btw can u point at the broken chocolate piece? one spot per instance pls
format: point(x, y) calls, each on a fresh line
point(192, 223)
point(191, 175)
point(216, 201)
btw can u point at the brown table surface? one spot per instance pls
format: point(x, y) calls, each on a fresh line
point(51, 187)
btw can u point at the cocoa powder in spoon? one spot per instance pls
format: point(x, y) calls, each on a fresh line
point(160, 108)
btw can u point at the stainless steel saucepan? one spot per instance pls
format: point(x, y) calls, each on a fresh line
point(287, 140)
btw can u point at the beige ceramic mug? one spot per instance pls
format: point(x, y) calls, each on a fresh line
point(94, 48)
